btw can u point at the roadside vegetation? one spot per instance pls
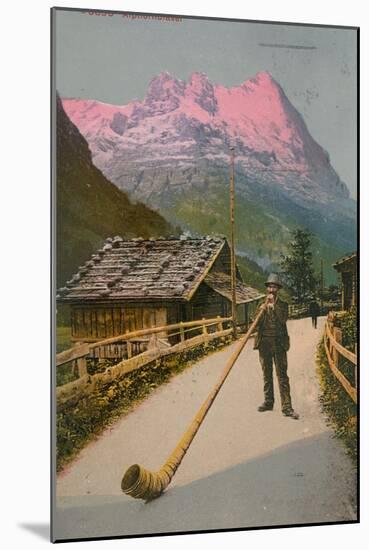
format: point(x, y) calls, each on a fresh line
point(84, 422)
point(339, 408)
point(63, 338)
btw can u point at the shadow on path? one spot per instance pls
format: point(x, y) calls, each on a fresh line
point(300, 483)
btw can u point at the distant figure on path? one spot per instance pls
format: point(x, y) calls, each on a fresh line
point(314, 311)
point(273, 342)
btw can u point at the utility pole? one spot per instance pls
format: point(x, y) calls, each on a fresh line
point(321, 283)
point(233, 255)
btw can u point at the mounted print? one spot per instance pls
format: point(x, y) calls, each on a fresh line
point(204, 227)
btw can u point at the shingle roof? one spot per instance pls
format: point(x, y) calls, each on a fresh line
point(221, 283)
point(345, 259)
point(143, 269)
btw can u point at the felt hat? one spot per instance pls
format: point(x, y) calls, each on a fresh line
point(273, 279)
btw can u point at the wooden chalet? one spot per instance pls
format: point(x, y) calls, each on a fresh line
point(347, 268)
point(132, 284)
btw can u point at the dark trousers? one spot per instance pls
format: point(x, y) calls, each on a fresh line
point(314, 320)
point(270, 351)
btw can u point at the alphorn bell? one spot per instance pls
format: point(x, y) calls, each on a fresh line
point(141, 483)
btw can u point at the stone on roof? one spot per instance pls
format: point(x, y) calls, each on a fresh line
point(348, 259)
point(138, 268)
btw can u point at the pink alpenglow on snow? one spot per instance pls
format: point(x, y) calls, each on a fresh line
point(254, 111)
point(180, 122)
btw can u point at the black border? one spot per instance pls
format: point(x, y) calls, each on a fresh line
point(206, 531)
point(52, 272)
point(53, 11)
point(358, 270)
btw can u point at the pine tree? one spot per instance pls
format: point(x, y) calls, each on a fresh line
point(297, 266)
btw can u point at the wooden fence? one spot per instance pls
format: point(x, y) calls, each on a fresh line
point(137, 349)
point(335, 352)
point(295, 311)
point(298, 311)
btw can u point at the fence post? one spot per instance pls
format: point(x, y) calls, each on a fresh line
point(129, 349)
point(220, 324)
point(204, 327)
point(181, 330)
point(337, 335)
point(153, 342)
point(327, 338)
point(74, 367)
point(330, 320)
point(82, 366)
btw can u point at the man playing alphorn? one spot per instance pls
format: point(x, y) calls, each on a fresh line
point(273, 342)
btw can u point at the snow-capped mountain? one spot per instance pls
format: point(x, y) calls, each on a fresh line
point(89, 207)
point(172, 151)
point(180, 134)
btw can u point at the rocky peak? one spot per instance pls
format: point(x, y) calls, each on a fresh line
point(196, 118)
point(263, 85)
point(163, 94)
point(199, 81)
point(163, 86)
point(202, 91)
point(264, 77)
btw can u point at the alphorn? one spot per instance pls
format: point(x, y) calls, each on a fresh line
point(141, 483)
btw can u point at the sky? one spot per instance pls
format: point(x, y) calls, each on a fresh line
point(112, 58)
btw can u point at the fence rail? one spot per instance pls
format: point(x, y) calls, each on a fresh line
point(134, 356)
point(295, 311)
point(334, 350)
point(298, 311)
point(84, 349)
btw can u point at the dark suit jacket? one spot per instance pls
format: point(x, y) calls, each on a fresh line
point(281, 313)
point(314, 308)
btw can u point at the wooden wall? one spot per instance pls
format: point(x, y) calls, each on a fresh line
point(348, 272)
point(208, 303)
point(223, 263)
point(96, 323)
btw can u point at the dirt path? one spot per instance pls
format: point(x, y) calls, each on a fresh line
point(243, 469)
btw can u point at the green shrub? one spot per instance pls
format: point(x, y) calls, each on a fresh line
point(63, 338)
point(65, 374)
point(339, 408)
point(348, 324)
point(77, 425)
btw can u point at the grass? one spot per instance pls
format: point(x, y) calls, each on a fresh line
point(79, 424)
point(262, 232)
point(340, 410)
point(64, 373)
point(63, 338)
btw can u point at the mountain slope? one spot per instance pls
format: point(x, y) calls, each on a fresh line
point(180, 123)
point(172, 150)
point(89, 207)
point(260, 235)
